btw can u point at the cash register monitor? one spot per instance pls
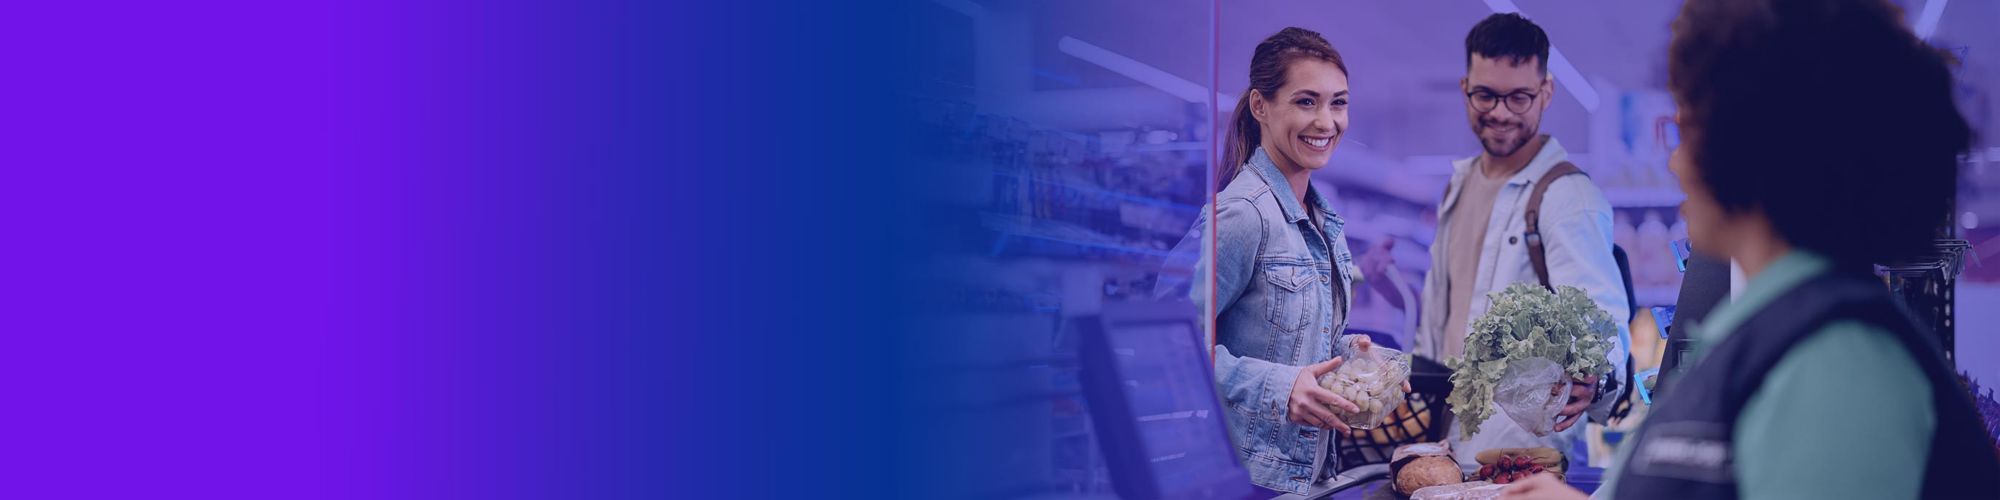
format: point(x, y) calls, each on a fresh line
point(1149, 385)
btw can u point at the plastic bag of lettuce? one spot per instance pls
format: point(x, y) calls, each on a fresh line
point(1520, 356)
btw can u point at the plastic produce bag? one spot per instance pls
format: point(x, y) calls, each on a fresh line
point(1371, 378)
point(1532, 392)
point(1476, 490)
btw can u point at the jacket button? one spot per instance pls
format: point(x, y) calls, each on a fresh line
point(1513, 239)
point(1322, 278)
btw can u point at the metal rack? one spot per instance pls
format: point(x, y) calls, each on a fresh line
point(1925, 285)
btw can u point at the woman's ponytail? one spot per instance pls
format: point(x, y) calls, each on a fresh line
point(1267, 74)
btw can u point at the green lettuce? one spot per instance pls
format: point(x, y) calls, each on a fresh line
point(1527, 321)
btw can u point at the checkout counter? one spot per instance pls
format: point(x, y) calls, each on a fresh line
point(1150, 387)
point(1371, 482)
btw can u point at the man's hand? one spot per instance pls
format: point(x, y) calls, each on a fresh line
point(1581, 392)
point(1378, 258)
point(1376, 266)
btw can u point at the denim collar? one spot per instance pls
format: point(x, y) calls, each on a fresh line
point(1260, 163)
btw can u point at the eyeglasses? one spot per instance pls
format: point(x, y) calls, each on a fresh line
point(1518, 101)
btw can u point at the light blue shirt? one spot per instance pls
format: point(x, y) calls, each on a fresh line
point(1576, 225)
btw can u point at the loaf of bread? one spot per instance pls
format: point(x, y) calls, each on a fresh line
point(1423, 465)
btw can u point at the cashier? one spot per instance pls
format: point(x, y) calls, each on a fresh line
point(1812, 383)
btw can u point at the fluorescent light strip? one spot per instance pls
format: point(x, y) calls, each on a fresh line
point(1141, 72)
point(1565, 73)
point(1570, 77)
point(1502, 6)
point(1144, 73)
point(966, 7)
point(1928, 20)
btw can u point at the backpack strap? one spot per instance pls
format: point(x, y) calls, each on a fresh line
point(1536, 254)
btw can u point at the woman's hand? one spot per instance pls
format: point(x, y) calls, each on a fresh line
point(1542, 486)
point(1366, 343)
point(1308, 404)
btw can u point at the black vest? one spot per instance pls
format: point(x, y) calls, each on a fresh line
point(1683, 449)
point(1703, 286)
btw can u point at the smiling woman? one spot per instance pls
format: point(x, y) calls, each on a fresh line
point(1283, 273)
point(1295, 68)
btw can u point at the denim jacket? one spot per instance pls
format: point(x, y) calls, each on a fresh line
point(1281, 298)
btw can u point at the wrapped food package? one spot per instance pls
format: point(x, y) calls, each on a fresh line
point(1371, 378)
point(1475, 490)
point(1532, 393)
point(1507, 465)
point(1423, 465)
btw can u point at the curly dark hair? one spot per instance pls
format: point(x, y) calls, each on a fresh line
point(1829, 116)
point(1508, 37)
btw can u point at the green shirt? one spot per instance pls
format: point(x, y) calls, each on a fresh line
point(1845, 414)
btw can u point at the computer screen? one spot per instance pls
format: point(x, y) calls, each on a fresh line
point(1148, 380)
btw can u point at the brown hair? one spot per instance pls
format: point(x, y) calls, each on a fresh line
point(1772, 96)
point(1267, 74)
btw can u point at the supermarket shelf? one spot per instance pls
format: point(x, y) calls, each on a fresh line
point(1099, 191)
point(1170, 146)
point(1623, 197)
point(1060, 232)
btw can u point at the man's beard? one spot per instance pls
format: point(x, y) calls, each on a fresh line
point(1510, 147)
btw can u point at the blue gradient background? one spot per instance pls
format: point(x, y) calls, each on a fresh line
point(451, 250)
point(520, 249)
